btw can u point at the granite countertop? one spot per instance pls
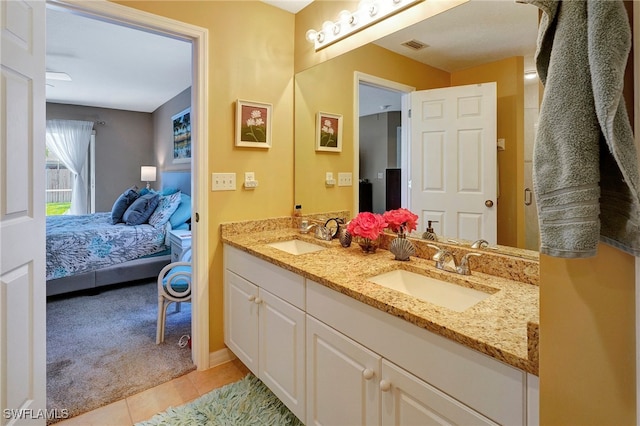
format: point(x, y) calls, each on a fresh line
point(503, 326)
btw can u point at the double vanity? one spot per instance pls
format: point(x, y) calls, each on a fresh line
point(343, 337)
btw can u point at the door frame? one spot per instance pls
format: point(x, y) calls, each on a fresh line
point(199, 39)
point(404, 90)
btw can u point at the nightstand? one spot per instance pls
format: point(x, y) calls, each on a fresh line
point(180, 241)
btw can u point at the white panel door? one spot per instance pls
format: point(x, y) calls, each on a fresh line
point(282, 351)
point(342, 379)
point(22, 213)
point(453, 160)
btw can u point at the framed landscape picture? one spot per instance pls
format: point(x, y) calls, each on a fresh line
point(182, 136)
point(329, 132)
point(253, 124)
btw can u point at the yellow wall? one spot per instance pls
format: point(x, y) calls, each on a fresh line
point(508, 73)
point(587, 340)
point(329, 87)
point(250, 57)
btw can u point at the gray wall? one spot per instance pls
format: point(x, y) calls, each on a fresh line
point(123, 144)
point(378, 148)
point(163, 132)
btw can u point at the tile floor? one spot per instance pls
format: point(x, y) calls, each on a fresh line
point(146, 404)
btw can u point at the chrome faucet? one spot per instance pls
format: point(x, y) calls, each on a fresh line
point(480, 244)
point(305, 227)
point(323, 233)
point(446, 261)
point(442, 257)
point(463, 268)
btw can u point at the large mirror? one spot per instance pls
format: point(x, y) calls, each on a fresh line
point(476, 42)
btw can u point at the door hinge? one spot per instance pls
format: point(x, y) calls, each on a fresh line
point(409, 112)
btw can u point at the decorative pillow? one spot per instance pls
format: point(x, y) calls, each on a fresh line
point(122, 204)
point(168, 191)
point(166, 206)
point(139, 212)
point(182, 214)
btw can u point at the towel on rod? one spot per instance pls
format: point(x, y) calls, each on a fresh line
point(585, 161)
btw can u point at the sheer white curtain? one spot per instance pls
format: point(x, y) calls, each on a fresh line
point(69, 141)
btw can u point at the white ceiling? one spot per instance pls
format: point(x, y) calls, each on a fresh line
point(117, 67)
point(113, 66)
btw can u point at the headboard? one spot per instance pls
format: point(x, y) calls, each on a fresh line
point(180, 180)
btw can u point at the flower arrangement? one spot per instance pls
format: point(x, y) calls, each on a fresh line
point(366, 227)
point(401, 221)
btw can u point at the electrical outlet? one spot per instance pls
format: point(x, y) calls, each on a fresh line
point(223, 181)
point(250, 181)
point(345, 179)
point(329, 180)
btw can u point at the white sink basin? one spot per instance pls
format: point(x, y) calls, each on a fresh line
point(296, 246)
point(441, 293)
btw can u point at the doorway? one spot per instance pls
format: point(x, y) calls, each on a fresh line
point(375, 95)
point(132, 18)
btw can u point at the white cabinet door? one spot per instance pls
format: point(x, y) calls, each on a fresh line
point(241, 319)
point(282, 351)
point(342, 379)
point(409, 401)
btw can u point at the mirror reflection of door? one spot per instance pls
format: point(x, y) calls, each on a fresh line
point(467, 164)
point(453, 159)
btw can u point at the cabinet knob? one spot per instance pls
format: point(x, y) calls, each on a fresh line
point(367, 374)
point(385, 386)
point(258, 301)
point(252, 298)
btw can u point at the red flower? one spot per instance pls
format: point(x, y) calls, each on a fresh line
point(367, 225)
point(401, 220)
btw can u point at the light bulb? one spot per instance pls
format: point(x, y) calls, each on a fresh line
point(328, 27)
point(347, 17)
point(312, 35)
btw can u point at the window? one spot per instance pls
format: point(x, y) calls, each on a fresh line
point(59, 182)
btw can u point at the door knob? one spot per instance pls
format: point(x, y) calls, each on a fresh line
point(488, 203)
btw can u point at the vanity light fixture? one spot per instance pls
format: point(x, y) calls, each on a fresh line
point(530, 75)
point(368, 13)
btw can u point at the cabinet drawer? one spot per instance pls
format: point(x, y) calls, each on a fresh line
point(280, 282)
point(494, 389)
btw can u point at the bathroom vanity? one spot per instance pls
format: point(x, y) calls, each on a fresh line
point(337, 348)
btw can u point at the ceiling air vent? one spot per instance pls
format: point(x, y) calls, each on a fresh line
point(415, 44)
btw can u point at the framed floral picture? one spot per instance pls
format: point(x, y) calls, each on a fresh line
point(253, 124)
point(329, 132)
point(182, 136)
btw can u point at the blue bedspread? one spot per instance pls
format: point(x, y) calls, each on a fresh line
point(77, 244)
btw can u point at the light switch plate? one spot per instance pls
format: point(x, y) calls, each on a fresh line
point(223, 181)
point(345, 179)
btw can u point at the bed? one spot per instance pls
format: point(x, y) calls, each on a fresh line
point(88, 251)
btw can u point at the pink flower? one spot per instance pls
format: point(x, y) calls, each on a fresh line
point(367, 225)
point(401, 220)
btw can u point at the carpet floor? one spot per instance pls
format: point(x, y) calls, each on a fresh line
point(244, 403)
point(101, 348)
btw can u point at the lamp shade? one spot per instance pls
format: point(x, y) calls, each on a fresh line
point(148, 173)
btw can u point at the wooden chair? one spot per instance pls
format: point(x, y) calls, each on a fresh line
point(174, 285)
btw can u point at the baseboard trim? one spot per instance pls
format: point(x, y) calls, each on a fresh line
point(220, 357)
